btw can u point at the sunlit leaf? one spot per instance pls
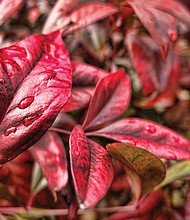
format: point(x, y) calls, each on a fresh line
point(35, 83)
point(159, 140)
point(91, 168)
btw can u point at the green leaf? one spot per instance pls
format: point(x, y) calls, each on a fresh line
point(177, 171)
point(144, 170)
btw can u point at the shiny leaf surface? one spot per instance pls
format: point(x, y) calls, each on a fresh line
point(93, 172)
point(153, 137)
point(35, 83)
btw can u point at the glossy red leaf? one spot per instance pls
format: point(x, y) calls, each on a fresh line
point(8, 8)
point(50, 152)
point(84, 15)
point(114, 91)
point(158, 77)
point(35, 83)
point(148, 135)
point(159, 17)
point(85, 77)
point(91, 168)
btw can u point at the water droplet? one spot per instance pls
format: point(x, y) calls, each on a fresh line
point(26, 102)
point(150, 129)
point(10, 130)
point(172, 35)
point(2, 81)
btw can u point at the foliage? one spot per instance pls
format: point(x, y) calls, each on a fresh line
point(94, 109)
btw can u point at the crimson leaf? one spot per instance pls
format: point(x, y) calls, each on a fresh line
point(91, 168)
point(51, 155)
point(155, 138)
point(35, 83)
point(114, 93)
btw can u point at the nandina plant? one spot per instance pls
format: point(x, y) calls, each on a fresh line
point(92, 96)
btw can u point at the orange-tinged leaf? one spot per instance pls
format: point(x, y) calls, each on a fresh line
point(144, 170)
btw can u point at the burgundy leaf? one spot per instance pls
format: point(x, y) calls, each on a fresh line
point(8, 8)
point(50, 152)
point(91, 168)
point(159, 17)
point(114, 91)
point(58, 12)
point(158, 77)
point(84, 16)
point(148, 135)
point(35, 83)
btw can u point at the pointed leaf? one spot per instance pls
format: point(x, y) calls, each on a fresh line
point(144, 170)
point(176, 171)
point(84, 16)
point(114, 92)
point(148, 135)
point(91, 168)
point(57, 13)
point(49, 151)
point(159, 17)
point(8, 8)
point(35, 83)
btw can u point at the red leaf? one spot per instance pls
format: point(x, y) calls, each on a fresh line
point(57, 13)
point(156, 75)
point(51, 155)
point(80, 98)
point(91, 168)
point(8, 8)
point(85, 77)
point(148, 135)
point(84, 16)
point(35, 83)
point(114, 92)
point(159, 17)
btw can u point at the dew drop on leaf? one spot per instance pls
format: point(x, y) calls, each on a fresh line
point(25, 102)
point(10, 130)
point(150, 129)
